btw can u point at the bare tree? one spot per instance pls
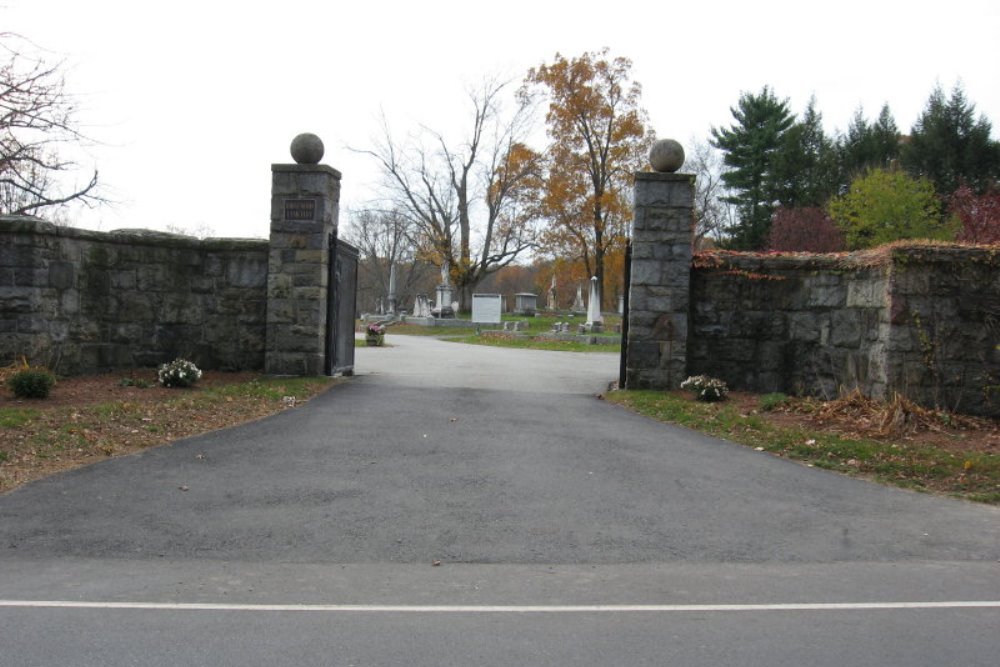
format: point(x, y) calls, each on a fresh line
point(470, 203)
point(36, 117)
point(385, 238)
point(713, 216)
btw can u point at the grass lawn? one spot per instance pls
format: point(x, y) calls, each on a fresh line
point(500, 339)
point(536, 326)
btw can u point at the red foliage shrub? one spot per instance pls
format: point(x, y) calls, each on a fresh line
point(804, 230)
point(979, 214)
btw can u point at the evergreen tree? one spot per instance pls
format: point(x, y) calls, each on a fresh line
point(950, 147)
point(806, 166)
point(750, 146)
point(867, 146)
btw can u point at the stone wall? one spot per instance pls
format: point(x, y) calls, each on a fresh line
point(81, 301)
point(919, 320)
point(806, 324)
point(943, 347)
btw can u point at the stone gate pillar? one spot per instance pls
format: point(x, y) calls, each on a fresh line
point(662, 231)
point(305, 200)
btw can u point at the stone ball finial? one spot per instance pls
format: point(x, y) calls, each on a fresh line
point(666, 155)
point(307, 148)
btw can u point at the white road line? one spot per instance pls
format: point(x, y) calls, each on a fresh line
point(499, 609)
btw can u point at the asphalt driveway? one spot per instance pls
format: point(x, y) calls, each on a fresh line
point(443, 473)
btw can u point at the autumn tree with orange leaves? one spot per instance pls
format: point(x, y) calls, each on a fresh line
point(598, 137)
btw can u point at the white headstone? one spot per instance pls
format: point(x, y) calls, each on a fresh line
point(486, 308)
point(594, 307)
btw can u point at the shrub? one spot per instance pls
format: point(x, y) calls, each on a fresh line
point(178, 373)
point(773, 401)
point(706, 388)
point(804, 230)
point(31, 383)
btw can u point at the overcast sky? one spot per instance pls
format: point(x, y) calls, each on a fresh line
point(193, 101)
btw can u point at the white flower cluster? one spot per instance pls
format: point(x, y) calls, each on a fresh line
point(706, 388)
point(178, 373)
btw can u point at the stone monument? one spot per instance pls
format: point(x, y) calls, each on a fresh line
point(578, 306)
point(525, 303)
point(443, 306)
point(595, 321)
point(392, 289)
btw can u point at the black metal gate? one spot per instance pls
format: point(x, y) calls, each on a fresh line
point(625, 309)
point(342, 296)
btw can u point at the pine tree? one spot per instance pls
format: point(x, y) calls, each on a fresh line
point(950, 147)
point(867, 146)
point(750, 146)
point(806, 166)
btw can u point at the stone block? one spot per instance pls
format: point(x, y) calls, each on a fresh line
point(31, 277)
point(310, 256)
point(866, 293)
point(676, 221)
point(643, 300)
point(248, 272)
point(61, 275)
point(15, 301)
point(152, 278)
point(138, 307)
point(180, 308)
point(657, 189)
point(642, 354)
point(280, 311)
point(670, 327)
point(646, 272)
point(124, 279)
point(834, 296)
point(845, 328)
point(279, 285)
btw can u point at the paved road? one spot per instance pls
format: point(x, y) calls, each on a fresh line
point(539, 500)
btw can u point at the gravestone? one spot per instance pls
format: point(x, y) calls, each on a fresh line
point(525, 303)
point(391, 309)
point(578, 306)
point(595, 321)
point(486, 308)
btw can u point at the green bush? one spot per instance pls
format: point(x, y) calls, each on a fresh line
point(31, 383)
